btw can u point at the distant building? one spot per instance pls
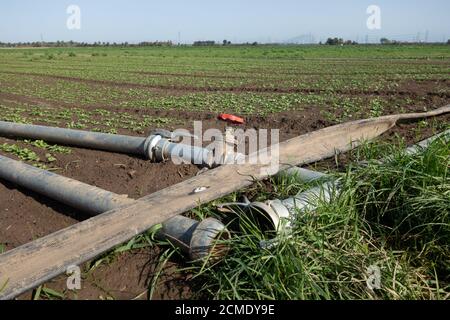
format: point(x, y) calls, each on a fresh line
point(204, 43)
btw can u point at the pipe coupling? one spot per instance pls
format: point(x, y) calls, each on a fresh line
point(150, 145)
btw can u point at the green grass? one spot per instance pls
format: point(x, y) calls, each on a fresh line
point(408, 203)
point(44, 293)
point(394, 215)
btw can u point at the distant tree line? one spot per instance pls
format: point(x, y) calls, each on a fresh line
point(339, 41)
point(73, 44)
point(387, 41)
point(155, 44)
point(384, 41)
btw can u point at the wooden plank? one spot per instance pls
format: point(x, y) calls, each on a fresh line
point(34, 263)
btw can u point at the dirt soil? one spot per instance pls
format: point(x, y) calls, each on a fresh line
point(25, 216)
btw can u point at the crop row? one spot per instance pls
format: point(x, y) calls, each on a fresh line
point(100, 120)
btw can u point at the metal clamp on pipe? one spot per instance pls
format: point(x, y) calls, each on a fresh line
point(197, 239)
point(278, 215)
point(163, 145)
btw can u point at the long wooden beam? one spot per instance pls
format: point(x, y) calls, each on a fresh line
point(34, 263)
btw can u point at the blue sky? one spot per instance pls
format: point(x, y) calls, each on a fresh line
point(235, 20)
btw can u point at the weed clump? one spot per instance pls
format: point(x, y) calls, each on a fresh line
point(406, 199)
